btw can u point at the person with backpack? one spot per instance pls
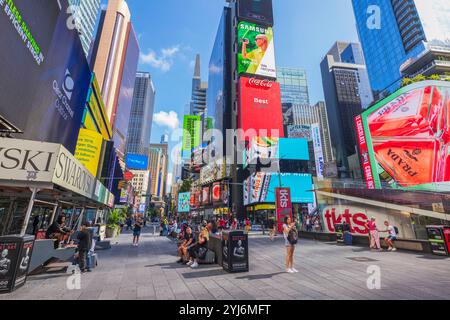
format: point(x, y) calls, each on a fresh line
point(393, 232)
point(290, 240)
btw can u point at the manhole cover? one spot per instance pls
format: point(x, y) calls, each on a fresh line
point(362, 259)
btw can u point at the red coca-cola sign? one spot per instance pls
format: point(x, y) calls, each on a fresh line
point(260, 83)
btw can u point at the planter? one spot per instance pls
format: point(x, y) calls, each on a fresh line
point(112, 232)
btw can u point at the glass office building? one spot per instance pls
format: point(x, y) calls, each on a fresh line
point(294, 85)
point(141, 117)
point(403, 38)
point(85, 13)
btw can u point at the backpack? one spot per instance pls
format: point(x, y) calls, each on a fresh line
point(396, 230)
point(292, 237)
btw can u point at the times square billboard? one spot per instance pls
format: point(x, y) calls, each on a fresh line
point(45, 75)
point(259, 11)
point(260, 108)
point(404, 140)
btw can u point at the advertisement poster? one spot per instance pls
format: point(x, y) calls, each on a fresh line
point(283, 205)
point(88, 150)
point(258, 99)
point(48, 75)
point(407, 137)
point(136, 162)
point(206, 197)
point(192, 127)
point(184, 200)
point(256, 54)
point(260, 187)
point(299, 131)
point(216, 192)
point(24, 262)
point(9, 254)
point(318, 151)
point(259, 11)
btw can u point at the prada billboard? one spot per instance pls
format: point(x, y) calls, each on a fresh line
point(259, 11)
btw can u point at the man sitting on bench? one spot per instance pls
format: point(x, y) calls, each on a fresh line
point(188, 242)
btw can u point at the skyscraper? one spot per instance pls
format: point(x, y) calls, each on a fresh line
point(198, 99)
point(85, 13)
point(114, 59)
point(141, 117)
point(408, 37)
point(158, 166)
point(294, 85)
point(347, 93)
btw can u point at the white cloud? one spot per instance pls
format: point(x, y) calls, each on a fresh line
point(164, 61)
point(215, 69)
point(169, 120)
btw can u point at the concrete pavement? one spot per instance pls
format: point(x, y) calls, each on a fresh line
point(327, 271)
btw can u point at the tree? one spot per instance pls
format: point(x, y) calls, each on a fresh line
point(407, 81)
point(186, 186)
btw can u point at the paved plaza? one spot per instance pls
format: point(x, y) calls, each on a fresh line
point(327, 271)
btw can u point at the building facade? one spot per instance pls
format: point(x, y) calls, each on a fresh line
point(141, 117)
point(347, 93)
point(114, 60)
point(158, 167)
point(403, 38)
point(294, 85)
point(199, 88)
point(85, 13)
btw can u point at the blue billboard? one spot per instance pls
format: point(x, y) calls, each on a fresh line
point(47, 73)
point(184, 200)
point(293, 149)
point(260, 187)
point(136, 162)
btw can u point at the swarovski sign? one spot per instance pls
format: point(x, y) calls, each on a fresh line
point(33, 161)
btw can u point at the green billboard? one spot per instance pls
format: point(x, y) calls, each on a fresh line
point(192, 131)
point(256, 54)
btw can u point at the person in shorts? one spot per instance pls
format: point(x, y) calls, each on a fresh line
point(289, 226)
point(137, 231)
point(391, 237)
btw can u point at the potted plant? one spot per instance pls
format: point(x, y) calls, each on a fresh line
point(112, 229)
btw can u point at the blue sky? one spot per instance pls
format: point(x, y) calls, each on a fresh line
point(171, 32)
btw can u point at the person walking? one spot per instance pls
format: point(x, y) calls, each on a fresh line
point(392, 236)
point(84, 245)
point(129, 223)
point(374, 236)
point(290, 240)
point(248, 225)
point(137, 228)
point(272, 228)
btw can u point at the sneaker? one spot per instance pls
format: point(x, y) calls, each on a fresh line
point(390, 249)
point(190, 263)
point(295, 270)
point(289, 271)
point(394, 249)
point(194, 265)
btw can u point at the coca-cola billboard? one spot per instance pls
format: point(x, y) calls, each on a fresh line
point(260, 112)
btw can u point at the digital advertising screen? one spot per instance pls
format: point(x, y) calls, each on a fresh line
point(192, 132)
point(405, 139)
point(261, 187)
point(256, 55)
point(274, 148)
point(88, 150)
point(184, 200)
point(258, 99)
point(136, 162)
point(48, 75)
point(260, 11)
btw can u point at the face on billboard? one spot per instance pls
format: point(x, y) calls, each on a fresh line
point(137, 162)
point(258, 99)
point(405, 142)
point(256, 54)
point(50, 87)
point(260, 11)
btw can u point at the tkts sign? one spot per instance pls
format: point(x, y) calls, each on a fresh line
point(284, 205)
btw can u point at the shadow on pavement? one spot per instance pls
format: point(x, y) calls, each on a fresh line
point(260, 276)
point(167, 266)
point(205, 274)
point(433, 257)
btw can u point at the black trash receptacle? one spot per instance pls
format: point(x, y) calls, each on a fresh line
point(235, 251)
point(15, 257)
point(439, 238)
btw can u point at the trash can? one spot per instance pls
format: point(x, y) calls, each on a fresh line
point(235, 251)
point(15, 257)
point(439, 238)
point(348, 238)
point(339, 227)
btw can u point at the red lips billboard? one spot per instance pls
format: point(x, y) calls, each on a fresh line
point(260, 108)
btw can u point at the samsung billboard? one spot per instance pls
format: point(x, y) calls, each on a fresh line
point(47, 72)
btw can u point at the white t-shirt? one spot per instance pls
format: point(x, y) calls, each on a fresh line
point(392, 232)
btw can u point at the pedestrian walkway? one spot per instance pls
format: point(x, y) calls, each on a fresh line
point(326, 271)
